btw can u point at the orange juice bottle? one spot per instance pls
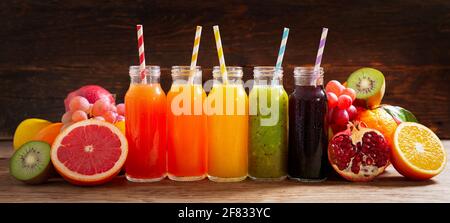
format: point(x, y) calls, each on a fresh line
point(227, 110)
point(186, 126)
point(145, 113)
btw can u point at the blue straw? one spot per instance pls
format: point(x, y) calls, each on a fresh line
point(281, 52)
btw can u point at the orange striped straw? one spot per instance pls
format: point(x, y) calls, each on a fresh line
point(198, 34)
point(223, 67)
point(140, 36)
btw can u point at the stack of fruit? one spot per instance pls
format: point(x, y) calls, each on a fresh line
point(366, 136)
point(91, 129)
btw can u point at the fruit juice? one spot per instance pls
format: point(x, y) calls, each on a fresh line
point(308, 140)
point(268, 132)
point(145, 112)
point(187, 145)
point(228, 129)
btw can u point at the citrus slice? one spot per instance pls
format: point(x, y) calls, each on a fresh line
point(418, 153)
point(89, 152)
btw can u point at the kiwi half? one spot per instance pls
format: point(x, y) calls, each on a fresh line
point(369, 85)
point(31, 163)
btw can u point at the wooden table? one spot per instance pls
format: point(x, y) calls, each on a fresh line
point(390, 187)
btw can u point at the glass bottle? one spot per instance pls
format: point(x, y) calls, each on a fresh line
point(308, 140)
point(227, 110)
point(268, 125)
point(145, 113)
point(186, 125)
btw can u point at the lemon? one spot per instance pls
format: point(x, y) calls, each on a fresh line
point(27, 129)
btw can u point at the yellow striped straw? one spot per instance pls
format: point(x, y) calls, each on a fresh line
point(223, 67)
point(198, 34)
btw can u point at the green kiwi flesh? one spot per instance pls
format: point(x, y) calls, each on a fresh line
point(31, 162)
point(367, 82)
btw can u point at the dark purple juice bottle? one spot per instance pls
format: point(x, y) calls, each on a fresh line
point(308, 135)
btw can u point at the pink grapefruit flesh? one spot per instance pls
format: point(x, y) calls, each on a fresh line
point(89, 152)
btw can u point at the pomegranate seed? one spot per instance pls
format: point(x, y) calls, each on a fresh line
point(382, 163)
point(355, 169)
point(369, 161)
point(347, 160)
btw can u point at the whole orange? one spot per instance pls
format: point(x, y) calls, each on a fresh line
point(49, 133)
point(380, 120)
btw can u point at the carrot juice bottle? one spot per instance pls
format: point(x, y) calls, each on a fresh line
point(145, 113)
point(227, 110)
point(186, 125)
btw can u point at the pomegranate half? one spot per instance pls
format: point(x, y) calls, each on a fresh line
point(359, 153)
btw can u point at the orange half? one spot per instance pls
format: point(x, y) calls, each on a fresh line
point(417, 153)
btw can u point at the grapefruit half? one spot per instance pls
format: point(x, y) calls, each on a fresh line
point(89, 152)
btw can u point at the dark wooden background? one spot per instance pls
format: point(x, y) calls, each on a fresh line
point(49, 48)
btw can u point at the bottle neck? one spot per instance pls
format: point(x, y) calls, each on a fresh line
point(307, 76)
point(234, 75)
point(267, 75)
point(151, 75)
point(184, 75)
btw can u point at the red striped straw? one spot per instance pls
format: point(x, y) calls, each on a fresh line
point(140, 36)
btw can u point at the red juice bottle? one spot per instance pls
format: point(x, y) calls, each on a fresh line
point(145, 113)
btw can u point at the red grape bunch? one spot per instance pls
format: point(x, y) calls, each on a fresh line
point(340, 105)
point(80, 109)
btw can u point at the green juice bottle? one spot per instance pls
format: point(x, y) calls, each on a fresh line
point(268, 126)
